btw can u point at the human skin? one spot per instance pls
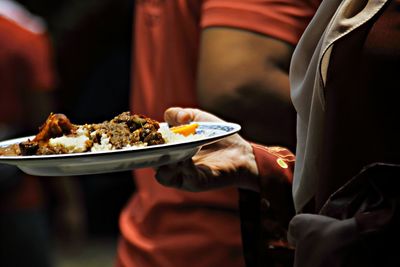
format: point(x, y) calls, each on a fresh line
point(237, 70)
point(243, 77)
point(229, 162)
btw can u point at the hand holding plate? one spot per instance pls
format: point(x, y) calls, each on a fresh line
point(229, 162)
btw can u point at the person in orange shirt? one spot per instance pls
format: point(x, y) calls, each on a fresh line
point(346, 175)
point(225, 56)
point(27, 80)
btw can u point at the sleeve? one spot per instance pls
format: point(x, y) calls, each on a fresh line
point(265, 216)
point(282, 19)
point(276, 166)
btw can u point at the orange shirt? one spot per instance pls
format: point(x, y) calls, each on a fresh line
point(24, 65)
point(165, 227)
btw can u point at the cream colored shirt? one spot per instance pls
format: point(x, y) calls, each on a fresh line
point(333, 20)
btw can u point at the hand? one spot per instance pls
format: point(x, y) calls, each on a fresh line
point(229, 162)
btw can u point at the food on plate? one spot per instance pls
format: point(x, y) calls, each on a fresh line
point(186, 129)
point(59, 136)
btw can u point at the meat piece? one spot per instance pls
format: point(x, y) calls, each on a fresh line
point(154, 138)
point(123, 131)
point(29, 148)
point(135, 121)
point(142, 127)
point(56, 125)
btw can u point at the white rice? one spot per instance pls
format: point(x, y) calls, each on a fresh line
point(73, 144)
point(171, 137)
point(104, 144)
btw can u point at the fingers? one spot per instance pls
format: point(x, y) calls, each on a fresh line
point(178, 175)
point(177, 116)
point(197, 178)
point(169, 176)
point(189, 177)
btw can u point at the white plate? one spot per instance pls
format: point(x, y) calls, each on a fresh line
point(118, 160)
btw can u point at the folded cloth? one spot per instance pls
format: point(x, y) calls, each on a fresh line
point(357, 225)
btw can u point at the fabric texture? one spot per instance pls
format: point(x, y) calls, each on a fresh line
point(345, 92)
point(163, 227)
point(359, 220)
point(265, 243)
point(25, 65)
point(284, 20)
point(359, 63)
point(333, 21)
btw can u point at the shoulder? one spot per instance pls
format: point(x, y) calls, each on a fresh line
point(281, 19)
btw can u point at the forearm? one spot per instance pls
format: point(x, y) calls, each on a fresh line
point(261, 106)
point(243, 77)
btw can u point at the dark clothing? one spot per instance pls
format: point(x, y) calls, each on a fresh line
point(357, 182)
point(356, 227)
point(360, 111)
point(362, 107)
point(265, 216)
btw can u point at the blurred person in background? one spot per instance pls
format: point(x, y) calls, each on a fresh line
point(92, 47)
point(26, 78)
point(230, 57)
point(27, 81)
point(344, 82)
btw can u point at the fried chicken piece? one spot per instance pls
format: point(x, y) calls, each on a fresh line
point(56, 125)
point(124, 130)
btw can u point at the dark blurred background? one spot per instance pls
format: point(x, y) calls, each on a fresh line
point(92, 49)
point(92, 43)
